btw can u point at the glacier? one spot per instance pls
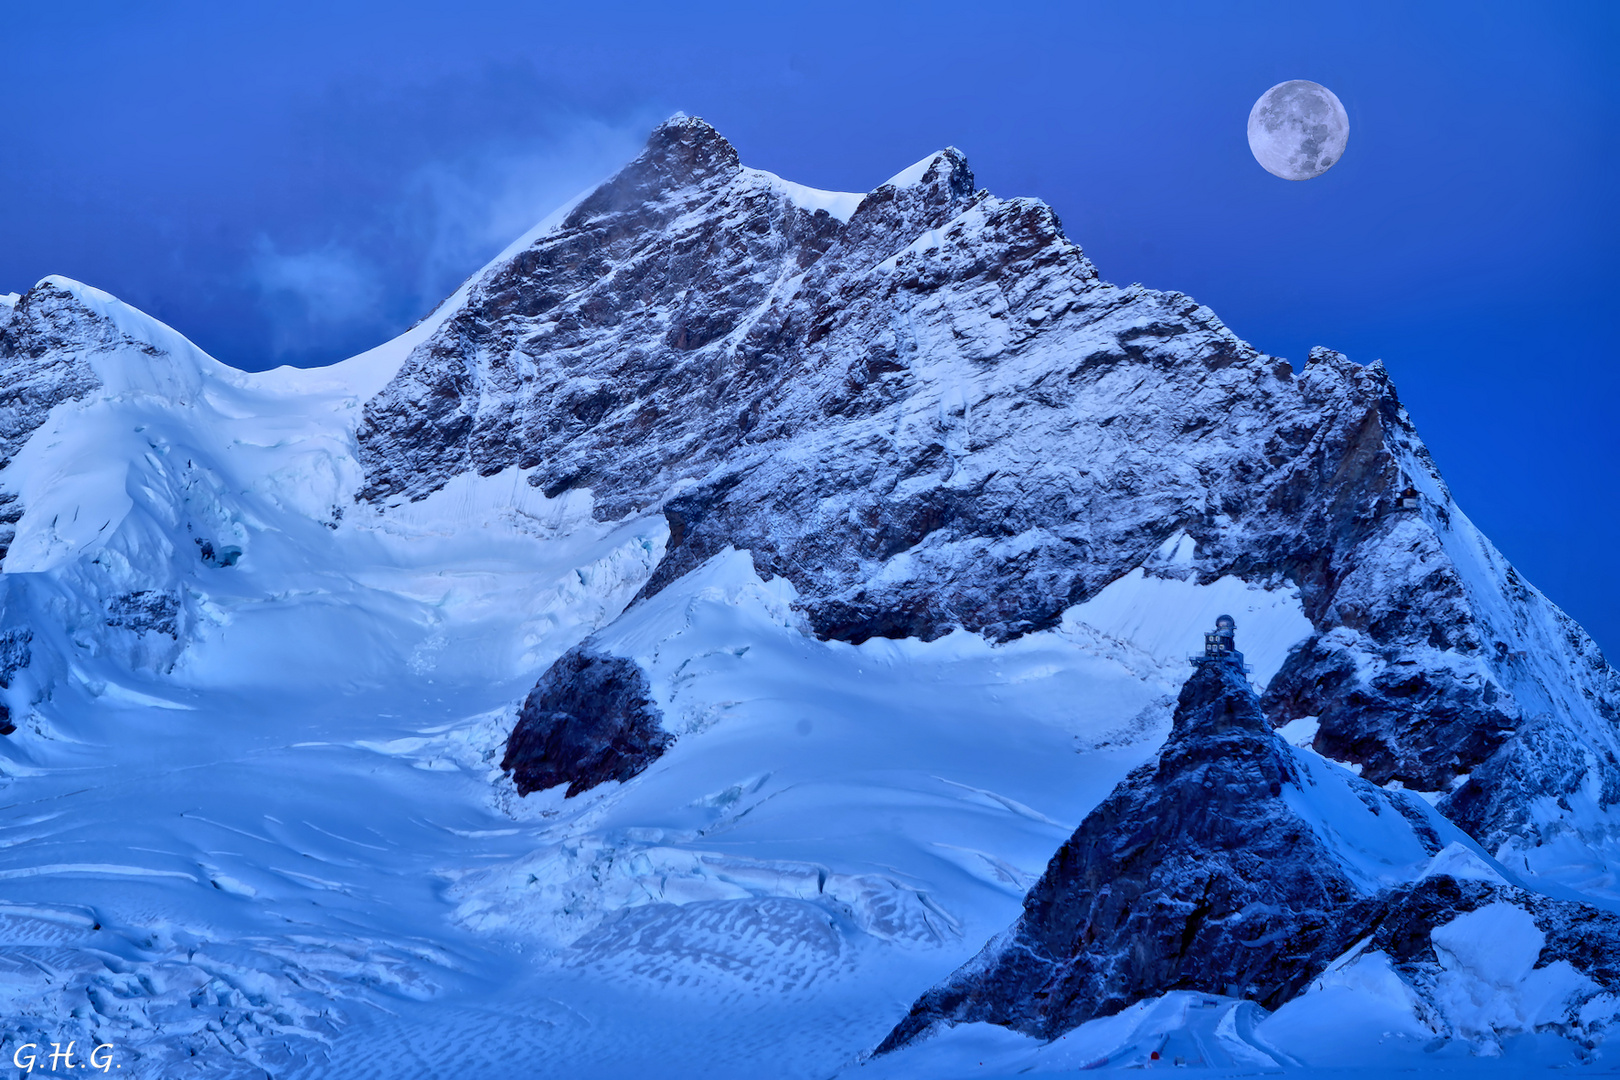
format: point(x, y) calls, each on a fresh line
point(908, 521)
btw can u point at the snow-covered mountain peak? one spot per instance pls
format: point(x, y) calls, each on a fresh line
point(682, 151)
point(115, 337)
point(817, 562)
point(936, 414)
point(948, 166)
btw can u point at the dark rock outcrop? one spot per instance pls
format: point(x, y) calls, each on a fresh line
point(1587, 938)
point(590, 719)
point(225, 555)
point(154, 610)
point(931, 412)
point(15, 654)
point(1199, 873)
point(1391, 721)
point(1194, 874)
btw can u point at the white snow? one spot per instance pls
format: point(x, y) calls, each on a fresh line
point(1178, 1030)
point(1489, 985)
point(913, 175)
point(1374, 843)
point(780, 730)
point(1464, 862)
point(1359, 1013)
point(840, 204)
point(1301, 731)
point(1166, 617)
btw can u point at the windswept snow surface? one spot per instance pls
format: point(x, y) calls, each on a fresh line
point(840, 204)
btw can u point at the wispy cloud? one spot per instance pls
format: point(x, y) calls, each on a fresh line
point(462, 212)
point(321, 290)
point(375, 268)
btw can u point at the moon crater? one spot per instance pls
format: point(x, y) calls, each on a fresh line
point(1298, 130)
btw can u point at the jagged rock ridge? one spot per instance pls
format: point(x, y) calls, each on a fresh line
point(15, 656)
point(929, 412)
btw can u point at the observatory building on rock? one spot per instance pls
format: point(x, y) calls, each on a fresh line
point(1220, 646)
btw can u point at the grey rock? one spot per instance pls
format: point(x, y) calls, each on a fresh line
point(1194, 874)
point(15, 654)
point(43, 343)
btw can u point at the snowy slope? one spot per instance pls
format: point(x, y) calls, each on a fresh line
point(200, 744)
point(911, 605)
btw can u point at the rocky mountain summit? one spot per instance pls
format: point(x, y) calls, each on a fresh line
point(925, 409)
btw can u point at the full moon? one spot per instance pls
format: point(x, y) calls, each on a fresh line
point(1297, 130)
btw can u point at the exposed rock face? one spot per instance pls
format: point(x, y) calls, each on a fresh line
point(1208, 870)
point(15, 655)
point(934, 414)
point(146, 610)
point(1586, 938)
point(1359, 715)
point(590, 719)
point(43, 342)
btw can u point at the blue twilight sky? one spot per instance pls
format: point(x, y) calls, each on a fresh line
point(293, 182)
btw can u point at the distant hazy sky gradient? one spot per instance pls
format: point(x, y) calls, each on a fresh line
point(292, 183)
